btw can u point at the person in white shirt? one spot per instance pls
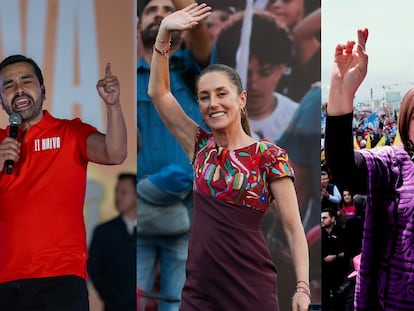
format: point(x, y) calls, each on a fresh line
point(269, 112)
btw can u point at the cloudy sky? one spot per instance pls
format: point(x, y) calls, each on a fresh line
point(390, 43)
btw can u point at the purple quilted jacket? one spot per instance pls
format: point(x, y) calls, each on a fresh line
point(386, 277)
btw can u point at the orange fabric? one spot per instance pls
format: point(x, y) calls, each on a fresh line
point(42, 231)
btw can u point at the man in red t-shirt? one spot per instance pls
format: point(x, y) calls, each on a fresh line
point(42, 233)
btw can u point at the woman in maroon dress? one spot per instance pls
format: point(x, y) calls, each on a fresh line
point(236, 178)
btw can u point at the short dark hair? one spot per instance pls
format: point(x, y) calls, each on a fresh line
point(331, 211)
point(18, 58)
point(141, 4)
point(277, 50)
point(349, 191)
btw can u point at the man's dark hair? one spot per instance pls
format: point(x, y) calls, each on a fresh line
point(270, 42)
point(130, 176)
point(17, 58)
point(141, 4)
point(331, 211)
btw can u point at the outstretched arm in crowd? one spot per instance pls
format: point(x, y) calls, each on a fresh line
point(181, 126)
point(304, 36)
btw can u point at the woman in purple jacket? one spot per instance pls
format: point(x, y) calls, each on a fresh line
point(386, 174)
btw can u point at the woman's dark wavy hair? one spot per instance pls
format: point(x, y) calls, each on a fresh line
point(342, 195)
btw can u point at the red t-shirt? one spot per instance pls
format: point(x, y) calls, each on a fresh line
point(42, 231)
point(349, 210)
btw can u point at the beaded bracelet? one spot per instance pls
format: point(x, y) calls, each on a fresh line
point(164, 52)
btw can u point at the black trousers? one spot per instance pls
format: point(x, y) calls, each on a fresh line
point(63, 293)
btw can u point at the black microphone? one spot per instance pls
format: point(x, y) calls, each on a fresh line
point(15, 120)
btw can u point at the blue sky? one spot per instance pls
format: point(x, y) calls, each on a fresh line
point(390, 43)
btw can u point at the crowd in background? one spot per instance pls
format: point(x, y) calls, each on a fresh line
point(373, 127)
point(342, 219)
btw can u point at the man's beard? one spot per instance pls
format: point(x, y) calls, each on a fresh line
point(149, 35)
point(33, 111)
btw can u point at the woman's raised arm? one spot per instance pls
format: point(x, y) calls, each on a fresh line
point(349, 70)
point(181, 126)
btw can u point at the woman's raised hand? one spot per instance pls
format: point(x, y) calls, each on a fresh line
point(186, 18)
point(349, 70)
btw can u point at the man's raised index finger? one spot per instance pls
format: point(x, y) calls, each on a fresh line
point(108, 71)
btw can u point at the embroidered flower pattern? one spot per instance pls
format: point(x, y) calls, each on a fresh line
point(241, 176)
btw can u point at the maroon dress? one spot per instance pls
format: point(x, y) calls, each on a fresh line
point(229, 266)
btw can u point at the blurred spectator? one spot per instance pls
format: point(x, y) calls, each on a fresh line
point(354, 228)
point(330, 195)
point(303, 19)
point(112, 260)
point(333, 265)
point(217, 20)
point(290, 13)
point(269, 112)
point(348, 207)
point(303, 134)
